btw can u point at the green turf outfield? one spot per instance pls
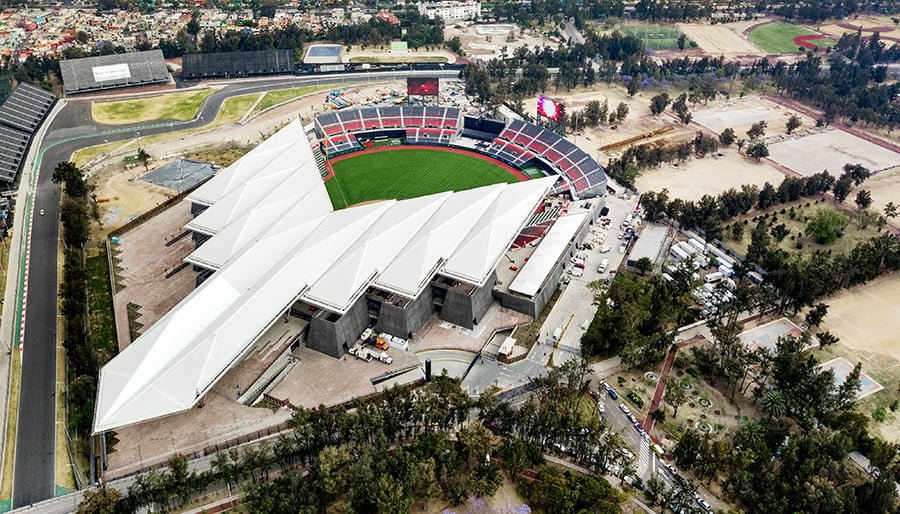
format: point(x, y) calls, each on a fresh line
point(408, 173)
point(655, 37)
point(778, 37)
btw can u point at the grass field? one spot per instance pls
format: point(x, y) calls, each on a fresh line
point(657, 38)
point(234, 108)
point(276, 97)
point(407, 173)
point(778, 37)
point(852, 234)
point(174, 106)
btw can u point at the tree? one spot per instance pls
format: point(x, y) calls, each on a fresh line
point(105, 500)
point(774, 404)
point(863, 199)
point(890, 210)
point(826, 226)
point(740, 143)
point(737, 231)
point(727, 137)
point(621, 112)
point(681, 41)
point(779, 232)
point(758, 150)
point(759, 241)
point(680, 108)
point(644, 265)
point(793, 123)
point(757, 130)
point(816, 314)
point(856, 172)
point(842, 189)
point(632, 86)
point(675, 394)
point(659, 103)
point(826, 338)
point(144, 157)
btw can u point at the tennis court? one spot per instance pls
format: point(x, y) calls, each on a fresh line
point(656, 37)
point(767, 335)
point(842, 367)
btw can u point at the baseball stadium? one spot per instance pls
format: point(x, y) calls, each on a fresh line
point(382, 218)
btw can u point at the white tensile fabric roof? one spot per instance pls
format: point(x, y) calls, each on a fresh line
point(287, 245)
point(541, 262)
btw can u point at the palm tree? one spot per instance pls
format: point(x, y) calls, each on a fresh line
point(774, 404)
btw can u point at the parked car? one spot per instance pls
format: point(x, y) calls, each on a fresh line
point(624, 408)
point(601, 407)
point(605, 249)
point(703, 503)
point(603, 265)
point(612, 394)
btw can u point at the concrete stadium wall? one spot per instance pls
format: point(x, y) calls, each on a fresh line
point(402, 321)
point(466, 309)
point(329, 337)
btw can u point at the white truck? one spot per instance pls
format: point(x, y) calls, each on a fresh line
point(368, 355)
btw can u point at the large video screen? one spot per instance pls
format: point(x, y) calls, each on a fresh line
point(550, 109)
point(422, 86)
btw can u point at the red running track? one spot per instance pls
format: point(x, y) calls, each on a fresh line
point(660, 388)
point(805, 41)
point(515, 172)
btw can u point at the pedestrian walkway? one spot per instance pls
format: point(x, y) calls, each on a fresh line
point(644, 458)
point(660, 387)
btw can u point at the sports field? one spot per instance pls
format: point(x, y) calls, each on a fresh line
point(655, 37)
point(778, 37)
point(408, 173)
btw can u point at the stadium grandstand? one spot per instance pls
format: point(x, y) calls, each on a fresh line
point(274, 246)
point(518, 143)
point(20, 116)
point(237, 64)
point(113, 71)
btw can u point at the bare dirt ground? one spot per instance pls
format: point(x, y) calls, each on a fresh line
point(740, 113)
point(867, 320)
point(868, 22)
point(128, 197)
point(830, 150)
point(487, 41)
point(885, 187)
point(724, 39)
point(711, 175)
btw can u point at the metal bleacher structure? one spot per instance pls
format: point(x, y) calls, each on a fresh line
point(237, 64)
point(20, 116)
point(519, 143)
point(113, 71)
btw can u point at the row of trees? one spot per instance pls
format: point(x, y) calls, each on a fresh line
point(80, 354)
point(628, 166)
point(396, 448)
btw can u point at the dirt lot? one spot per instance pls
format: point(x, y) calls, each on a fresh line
point(486, 41)
point(885, 187)
point(711, 175)
point(867, 320)
point(725, 39)
point(868, 22)
point(740, 113)
point(830, 150)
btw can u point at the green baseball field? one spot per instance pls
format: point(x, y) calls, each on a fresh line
point(408, 173)
point(779, 38)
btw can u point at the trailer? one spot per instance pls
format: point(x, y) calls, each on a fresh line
point(678, 254)
point(697, 244)
point(368, 355)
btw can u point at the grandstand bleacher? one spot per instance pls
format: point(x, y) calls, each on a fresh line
point(20, 116)
point(113, 71)
point(26, 107)
point(237, 64)
point(519, 143)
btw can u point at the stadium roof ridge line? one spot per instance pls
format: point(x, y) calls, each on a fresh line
point(326, 258)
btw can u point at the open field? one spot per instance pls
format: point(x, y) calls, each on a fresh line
point(708, 176)
point(234, 108)
point(408, 173)
point(278, 96)
point(869, 23)
point(851, 236)
point(885, 187)
point(656, 37)
point(174, 106)
point(739, 114)
point(487, 41)
point(722, 39)
point(778, 37)
point(865, 318)
point(830, 150)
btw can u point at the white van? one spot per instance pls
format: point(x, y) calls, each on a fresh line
point(603, 265)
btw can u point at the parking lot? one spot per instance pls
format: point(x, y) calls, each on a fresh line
point(575, 305)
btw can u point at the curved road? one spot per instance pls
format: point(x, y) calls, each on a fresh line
point(69, 131)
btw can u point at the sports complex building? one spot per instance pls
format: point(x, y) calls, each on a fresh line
point(270, 248)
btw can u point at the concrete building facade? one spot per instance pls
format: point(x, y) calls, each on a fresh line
point(450, 10)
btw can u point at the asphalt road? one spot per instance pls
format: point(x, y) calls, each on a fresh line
point(71, 130)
